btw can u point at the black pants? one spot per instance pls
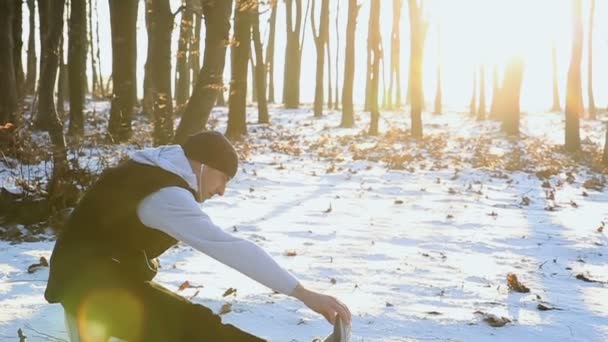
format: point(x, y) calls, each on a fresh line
point(107, 300)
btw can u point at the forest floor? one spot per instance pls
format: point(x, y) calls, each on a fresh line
point(417, 238)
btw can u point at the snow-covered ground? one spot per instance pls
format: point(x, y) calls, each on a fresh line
point(417, 251)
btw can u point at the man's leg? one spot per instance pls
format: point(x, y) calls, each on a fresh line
point(210, 79)
point(149, 312)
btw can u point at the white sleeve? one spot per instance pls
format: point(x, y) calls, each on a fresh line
point(174, 211)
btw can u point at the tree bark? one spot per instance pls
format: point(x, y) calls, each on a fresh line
point(473, 102)
point(557, 107)
point(270, 51)
point(418, 29)
point(592, 109)
point(8, 83)
point(260, 70)
point(182, 75)
point(574, 92)
point(210, 78)
point(77, 62)
point(395, 70)
point(438, 94)
point(481, 110)
point(320, 39)
point(30, 81)
point(161, 27)
point(123, 19)
point(348, 112)
point(148, 88)
point(62, 82)
point(337, 96)
point(291, 76)
point(374, 55)
point(18, 46)
point(194, 57)
point(237, 125)
point(509, 108)
point(495, 106)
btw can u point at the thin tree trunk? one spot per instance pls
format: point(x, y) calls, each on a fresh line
point(254, 89)
point(61, 81)
point(291, 76)
point(510, 95)
point(348, 112)
point(495, 106)
point(374, 53)
point(337, 96)
point(473, 103)
point(270, 51)
point(557, 107)
point(438, 94)
point(8, 83)
point(260, 70)
point(210, 78)
point(103, 89)
point(77, 61)
point(51, 25)
point(320, 39)
point(237, 125)
point(30, 81)
point(194, 59)
point(394, 79)
point(329, 84)
point(418, 29)
point(18, 46)
point(148, 86)
point(95, 79)
point(182, 79)
point(574, 92)
point(161, 27)
point(123, 19)
point(481, 111)
point(592, 109)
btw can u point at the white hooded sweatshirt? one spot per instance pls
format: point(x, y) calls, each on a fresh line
point(174, 211)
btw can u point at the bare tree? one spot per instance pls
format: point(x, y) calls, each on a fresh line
point(495, 106)
point(438, 94)
point(260, 69)
point(574, 105)
point(8, 84)
point(77, 64)
point(320, 38)
point(481, 110)
point(159, 44)
point(123, 19)
point(348, 111)
point(592, 109)
point(395, 72)
point(337, 97)
point(473, 102)
point(270, 49)
point(30, 79)
point(293, 54)
point(418, 31)
point(237, 125)
point(510, 92)
point(556, 103)
point(18, 46)
point(374, 55)
point(194, 55)
point(182, 70)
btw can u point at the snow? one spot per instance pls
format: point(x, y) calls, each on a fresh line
point(414, 251)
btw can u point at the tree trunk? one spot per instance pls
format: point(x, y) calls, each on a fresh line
point(509, 96)
point(148, 90)
point(123, 19)
point(592, 109)
point(8, 83)
point(102, 88)
point(51, 25)
point(556, 103)
point(605, 155)
point(260, 70)
point(62, 87)
point(329, 84)
point(495, 106)
point(77, 61)
point(210, 78)
point(30, 81)
point(438, 94)
point(320, 39)
point(473, 103)
point(254, 89)
point(395, 70)
point(337, 97)
point(18, 46)
point(182, 79)
point(95, 78)
point(237, 125)
point(161, 27)
point(194, 59)
point(348, 111)
point(291, 76)
point(418, 29)
point(374, 55)
point(481, 111)
point(574, 92)
point(270, 51)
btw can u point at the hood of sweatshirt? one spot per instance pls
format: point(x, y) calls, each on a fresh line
point(170, 158)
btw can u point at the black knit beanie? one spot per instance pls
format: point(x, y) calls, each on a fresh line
point(213, 149)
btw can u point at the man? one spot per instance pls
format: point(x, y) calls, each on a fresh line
point(102, 264)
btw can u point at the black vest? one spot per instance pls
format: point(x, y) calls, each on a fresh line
point(104, 229)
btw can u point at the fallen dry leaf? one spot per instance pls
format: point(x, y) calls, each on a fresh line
point(290, 253)
point(515, 285)
point(493, 320)
point(226, 308)
point(34, 267)
point(229, 292)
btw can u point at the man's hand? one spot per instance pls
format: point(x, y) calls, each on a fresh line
point(327, 306)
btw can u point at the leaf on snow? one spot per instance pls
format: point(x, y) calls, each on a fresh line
point(226, 308)
point(33, 267)
point(229, 292)
point(515, 285)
